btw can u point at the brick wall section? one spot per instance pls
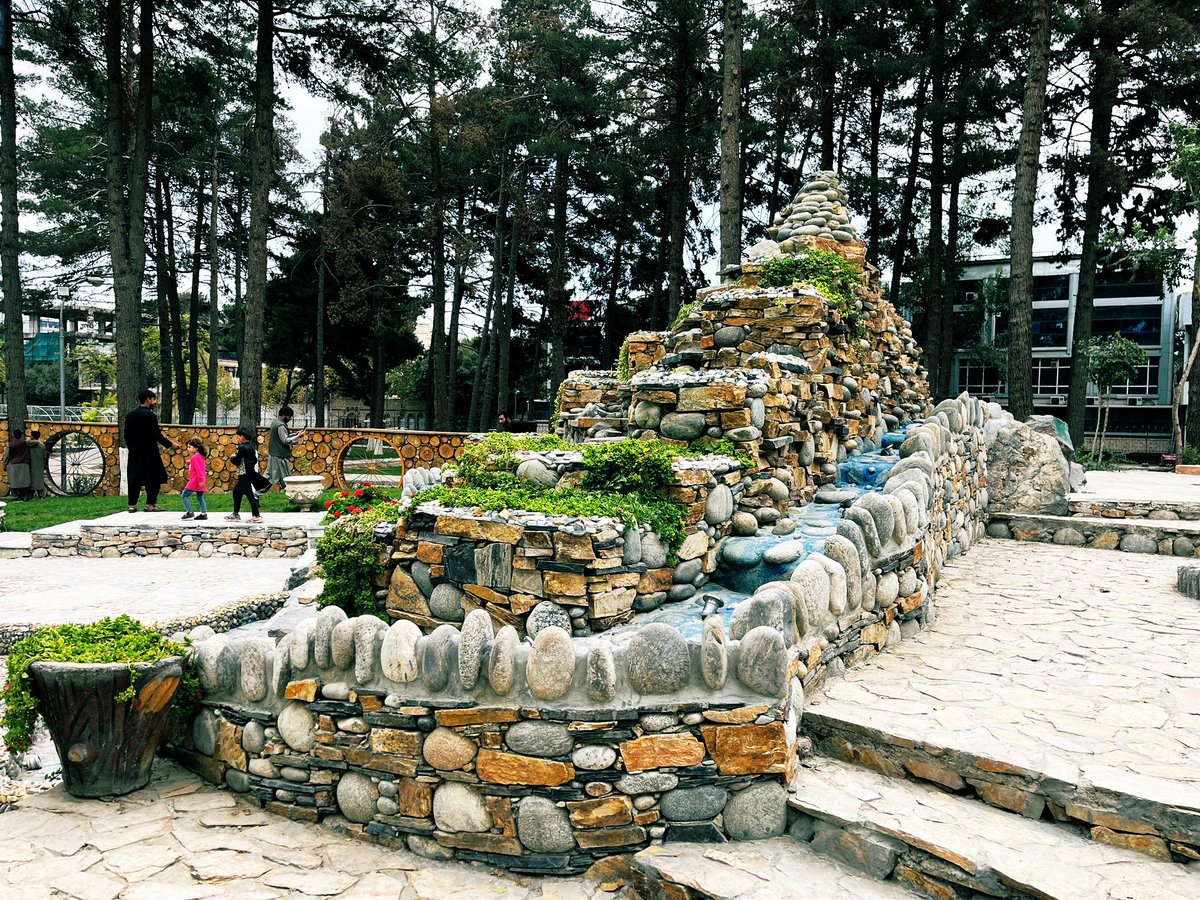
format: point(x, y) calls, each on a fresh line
point(322, 447)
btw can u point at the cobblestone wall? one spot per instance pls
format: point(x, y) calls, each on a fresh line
point(470, 744)
point(183, 542)
point(323, 448)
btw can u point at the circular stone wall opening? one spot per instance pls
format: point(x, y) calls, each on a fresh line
point(74, 464)
point(370, 460)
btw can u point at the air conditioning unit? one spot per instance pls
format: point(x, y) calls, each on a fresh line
point(1058, 400)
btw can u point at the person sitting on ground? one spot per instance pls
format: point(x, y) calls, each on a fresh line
point(37, 464)
point(279, 447)
point(16, 464)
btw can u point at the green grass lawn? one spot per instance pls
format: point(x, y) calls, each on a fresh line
point(35, 514)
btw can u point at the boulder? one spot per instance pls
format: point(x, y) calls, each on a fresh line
point(1027, 472)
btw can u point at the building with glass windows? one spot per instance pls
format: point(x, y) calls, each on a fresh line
point(1145, 311)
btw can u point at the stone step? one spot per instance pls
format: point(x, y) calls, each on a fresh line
point(1153, 815)
point(1113, 508)
point(1168, 537)
point(777, 869)
point(945, 845)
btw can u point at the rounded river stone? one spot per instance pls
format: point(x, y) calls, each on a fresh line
point(757, 812)
point(741, 554)
point(534, 738)
point(502, 661)
point(693, 804)
point(543, 826)
point(631, 553)
point(254, 667)
point(398, 655)
point(254, 737)
point(550, 668)
point(436, 658)
point(357, 797)
point(544, 615)
point(601, 671)
point(476, 632)
point(341, 645)
point(744, 524)
point(687, 570)
point(682, 426)
point(762, 661)
point(446, 749)
point(204, 732)
point(594, 757)
point(647, 783)
point(327, 619)
point(714, 657)
point(446, 603)
point(784, 552)
point(729, 336)
point(654, 553)
point(647, 414)
point(537, 472)
point(460, 807)
point(719, 506)
point(659, 660)
point(295, 725)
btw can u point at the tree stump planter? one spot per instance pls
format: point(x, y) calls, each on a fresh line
point(304, 490)
point(106, 745)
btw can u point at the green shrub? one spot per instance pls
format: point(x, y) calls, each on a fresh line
point(684, 311)
point(495, 454)
point(1191, 455)
point(119, 640)
point(345, 503)
point(623, 361)
point(621, 466)
point(350, 559)
point(665, 516)
point(824, 270)
point(1109, 462)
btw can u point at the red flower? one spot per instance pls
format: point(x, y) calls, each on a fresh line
point(345, 493)
point(337, 515)
point(328, 503)
point(358, 493)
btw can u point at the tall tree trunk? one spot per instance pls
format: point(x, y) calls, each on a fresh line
point(1105, 83)
point(1193, 410)
point(482, 349)
point(612, 339)
point(556, 296)
point(239, 320)
point(214, 310)
point(677, 183)
point(1029, 156)
point(909, 196)
point(261, 172)
point(731, 110)
point(504, 329)
point(950, 259)
point(171, 287)
point(126, 190)
point(319, 365)
point(456, 300)
point(878, 95)
point(437, 345)
point(378, 367)
point(826, 82)
point(10, 234)
point(166, 338)
point(938, 330)
point(191, 395)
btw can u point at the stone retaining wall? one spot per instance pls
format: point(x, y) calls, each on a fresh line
point(531, 569)
point(190, 541)
point(1130, 509)
point(1129, 535)
point(592, 404)
point(875, 579)
point(470, 744)
point(323, 448)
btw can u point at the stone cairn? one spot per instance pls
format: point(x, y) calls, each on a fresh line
point(821, 209)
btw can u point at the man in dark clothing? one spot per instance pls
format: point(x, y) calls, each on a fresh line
point(145, 469)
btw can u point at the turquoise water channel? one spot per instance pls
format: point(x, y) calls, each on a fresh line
point(746, 563)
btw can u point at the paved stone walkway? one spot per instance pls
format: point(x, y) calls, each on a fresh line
point(180, 839)
point(54, 590)
point(174, 518)
point(1082, 663)
point(1142, 486)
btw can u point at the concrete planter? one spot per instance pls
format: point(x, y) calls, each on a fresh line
point(304, 490)
point(106, 745)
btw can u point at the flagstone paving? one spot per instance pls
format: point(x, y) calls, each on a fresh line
point(180, 839)
point(1070, 661)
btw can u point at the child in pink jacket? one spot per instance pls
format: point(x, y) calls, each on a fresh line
point(197, 482)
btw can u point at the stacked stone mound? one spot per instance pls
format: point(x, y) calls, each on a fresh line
point(593, 405)
point(778, 371)
point(470, 744)
point(530, 570)
point(820, 209)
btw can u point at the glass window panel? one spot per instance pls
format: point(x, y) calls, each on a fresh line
point(1141, 323)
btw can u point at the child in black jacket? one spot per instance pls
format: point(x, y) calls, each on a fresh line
point(245, 464)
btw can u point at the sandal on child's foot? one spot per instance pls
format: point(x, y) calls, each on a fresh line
point(255, 519)
point(233, 517)
point(188, 515)
point(132, 509)
point(201, 517)
point(153, 509)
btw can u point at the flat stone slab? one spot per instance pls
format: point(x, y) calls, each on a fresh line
point(987, 847)
point(759, 870)
point(216, 521)
point(180, 838)
point(1072, 670)
point(1140, 486)
point(51, 591)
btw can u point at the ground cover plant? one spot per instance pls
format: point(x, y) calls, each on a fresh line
point(119, 640)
